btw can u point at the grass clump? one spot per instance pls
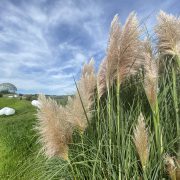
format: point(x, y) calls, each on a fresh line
point(136, 77)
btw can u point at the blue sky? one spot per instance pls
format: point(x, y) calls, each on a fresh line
point(44, 43)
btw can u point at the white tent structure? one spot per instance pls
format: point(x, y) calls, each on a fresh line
point(7, 111)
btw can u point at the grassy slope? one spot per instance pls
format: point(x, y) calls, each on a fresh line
point(16, 136)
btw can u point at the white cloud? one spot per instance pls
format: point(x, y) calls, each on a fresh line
point(29, 56)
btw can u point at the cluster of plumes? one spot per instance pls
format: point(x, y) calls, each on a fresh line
point(122, 59)
point(56, 123)
point(141, 141)
point(126, 55)
point(172, 167)
point(80, 107)
point(168, 33)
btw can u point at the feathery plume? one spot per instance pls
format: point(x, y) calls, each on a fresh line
point(123, 58)
point(129, 60)
point(170, 166)
point(55, 132)
point(113, 51)
point(168, 33)
point(88, 68)
point(81, 104)
point(141, 141)
point(101, 78)
point(151, 73)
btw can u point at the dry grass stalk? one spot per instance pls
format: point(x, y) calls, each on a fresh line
point(178, 169)
point(141, 141)
point(170, 167)
point(168, 32)
point(86, 88)
point(55, 132)
point(151, 73)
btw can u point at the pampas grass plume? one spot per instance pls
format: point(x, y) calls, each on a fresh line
point(151, 74)
point(170, 167)
point(141, 141)
point(102, 79)
point(79, 108)
point(55, 132)
point(168, 33)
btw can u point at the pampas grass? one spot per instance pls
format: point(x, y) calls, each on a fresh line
point(79, 108)
point(170, 167)
point(113, 51)
point(56, 123)
point(123, 59)
point(55, 132)
point(168, 33)
point(100, 110)
point(102, 78)
point(151, 74)
point(129, 46)
point(141, 141)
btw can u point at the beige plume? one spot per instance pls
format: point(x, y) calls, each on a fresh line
point(170, 167)
point(55, 132)
point(151, 73)
point(113, 51)
point(129, 60)
point(141, 141)
point(102, 79)
point(80, 107)
point(56, 123)
point(168, 33)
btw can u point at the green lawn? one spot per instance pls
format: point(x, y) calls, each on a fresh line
point(20, 157)
point(17, 138)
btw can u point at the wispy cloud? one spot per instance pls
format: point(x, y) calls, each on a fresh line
point(44, 43)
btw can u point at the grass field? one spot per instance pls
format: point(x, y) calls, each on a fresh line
point(19, 150)
point(17, 139)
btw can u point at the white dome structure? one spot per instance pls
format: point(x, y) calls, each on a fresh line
point(8, 87)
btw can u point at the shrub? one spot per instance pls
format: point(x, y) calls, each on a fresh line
point(29, 97)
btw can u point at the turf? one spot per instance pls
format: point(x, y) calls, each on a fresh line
point(20, 157)
point(17, 137)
